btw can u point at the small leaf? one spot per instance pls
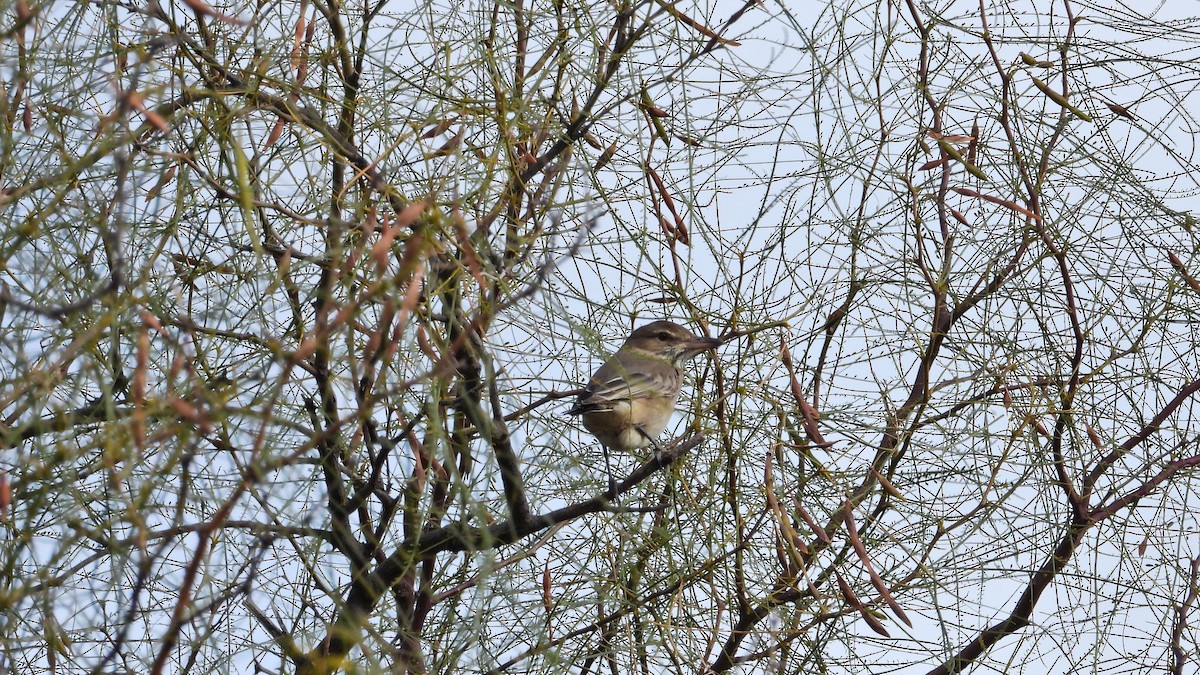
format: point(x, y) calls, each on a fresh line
point(1030, 61)
point(605, 157)
point(1120, 110)
point(998, 201)
point(1061, 100)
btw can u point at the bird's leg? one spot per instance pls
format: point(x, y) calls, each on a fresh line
point(612, 482)
point(653, 443)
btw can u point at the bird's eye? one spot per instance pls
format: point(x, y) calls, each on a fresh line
point(664, 336)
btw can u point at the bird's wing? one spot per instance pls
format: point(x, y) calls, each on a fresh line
point(609, 387)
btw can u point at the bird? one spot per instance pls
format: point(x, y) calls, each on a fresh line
point(629, 400)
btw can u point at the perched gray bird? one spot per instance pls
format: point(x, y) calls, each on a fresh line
point(629, 400)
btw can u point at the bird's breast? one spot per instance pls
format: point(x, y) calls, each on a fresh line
point(626, 424)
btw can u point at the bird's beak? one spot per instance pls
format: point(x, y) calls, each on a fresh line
point(701, 344)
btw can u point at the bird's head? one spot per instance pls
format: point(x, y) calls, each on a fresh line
point(669, 341)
